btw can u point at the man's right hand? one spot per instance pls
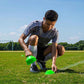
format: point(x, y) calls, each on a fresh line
point(27, 52)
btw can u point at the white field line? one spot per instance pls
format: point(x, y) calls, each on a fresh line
point(72, 65)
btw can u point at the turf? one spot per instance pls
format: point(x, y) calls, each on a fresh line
point(14, 70)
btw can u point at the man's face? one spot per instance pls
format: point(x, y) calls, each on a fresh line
point(47, 24)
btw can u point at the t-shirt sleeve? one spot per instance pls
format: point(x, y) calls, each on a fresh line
point(55, 38)
point(29, 29)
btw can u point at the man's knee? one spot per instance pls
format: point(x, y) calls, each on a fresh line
point(61, 50)
point(33, 40)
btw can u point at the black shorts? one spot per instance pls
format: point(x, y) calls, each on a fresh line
point(40, 51)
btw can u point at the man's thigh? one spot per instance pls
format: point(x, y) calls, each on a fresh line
point(47, 50)
point(60, 50)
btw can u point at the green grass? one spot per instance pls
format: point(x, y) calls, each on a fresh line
point(14, 70)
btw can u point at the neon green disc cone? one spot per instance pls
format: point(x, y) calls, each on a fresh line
point(49, 72)
point(22, 55)
point(31, 59)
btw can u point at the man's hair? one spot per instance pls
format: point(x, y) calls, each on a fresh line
point(51, 15)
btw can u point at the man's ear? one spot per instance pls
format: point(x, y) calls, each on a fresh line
point(43, 18)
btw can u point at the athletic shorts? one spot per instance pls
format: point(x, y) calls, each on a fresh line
point(40, 51)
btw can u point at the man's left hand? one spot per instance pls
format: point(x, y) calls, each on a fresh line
point(54, 67)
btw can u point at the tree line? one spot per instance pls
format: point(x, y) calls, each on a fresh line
point(76, 46)
point(16, 46)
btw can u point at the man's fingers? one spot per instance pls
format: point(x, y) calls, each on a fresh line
point(55, 69)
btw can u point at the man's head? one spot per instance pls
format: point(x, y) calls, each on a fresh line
point(50, 19)
point(51, 15)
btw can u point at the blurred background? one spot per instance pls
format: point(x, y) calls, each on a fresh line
point(15, 15)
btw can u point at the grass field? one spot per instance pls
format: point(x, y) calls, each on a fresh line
point(14, 70)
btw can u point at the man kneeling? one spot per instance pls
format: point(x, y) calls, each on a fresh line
point(40, 33)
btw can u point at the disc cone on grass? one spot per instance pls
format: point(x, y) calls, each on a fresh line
point(31, 59)
point(49, 72)
point(22, 55)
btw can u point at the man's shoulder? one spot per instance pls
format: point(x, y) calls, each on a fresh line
point(37, 23)
point(54, 30)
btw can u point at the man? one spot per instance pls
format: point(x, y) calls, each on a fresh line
point(40, 33)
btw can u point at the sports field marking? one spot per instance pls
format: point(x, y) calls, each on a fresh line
point(72, 65)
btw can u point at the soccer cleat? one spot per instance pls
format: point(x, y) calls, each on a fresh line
point(34, 68)
point(42, 65)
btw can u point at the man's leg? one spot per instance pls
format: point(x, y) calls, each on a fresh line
point(41, 57)
point(47, 55)
point(32, 45)
point(48, 51)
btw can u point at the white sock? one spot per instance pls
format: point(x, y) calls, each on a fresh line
point(33, 49)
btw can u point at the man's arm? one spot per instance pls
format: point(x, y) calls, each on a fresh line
point(54, 56)
point(24, 46)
